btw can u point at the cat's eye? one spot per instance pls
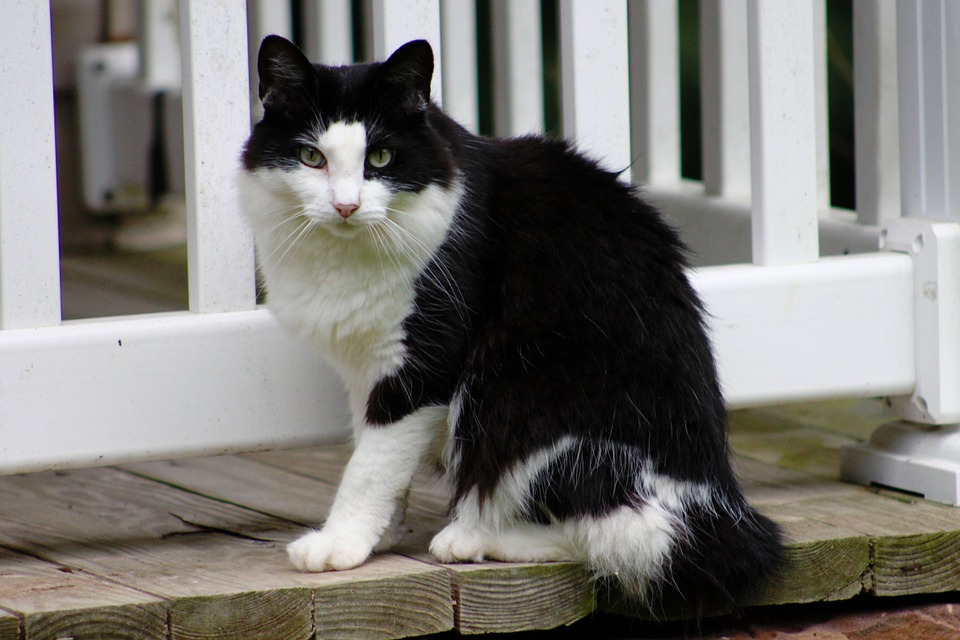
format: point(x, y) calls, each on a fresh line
point(379, 158)
point(311, 156)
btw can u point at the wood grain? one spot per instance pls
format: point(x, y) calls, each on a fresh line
point(505, 597)
point(58, 602)
point(97, 506)
point(819, 571)
point(276, 614)
point(323, 463)
point(224, 586)
point(921, 563)
point(242, 480)
point(9, 626)
point(407, 604)
point(914, 544)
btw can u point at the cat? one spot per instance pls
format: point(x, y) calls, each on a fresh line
point(509, 308)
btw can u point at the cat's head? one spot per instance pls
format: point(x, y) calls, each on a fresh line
point(348, 149)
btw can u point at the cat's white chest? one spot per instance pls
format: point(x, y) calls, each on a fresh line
point(353, 314)
point(348, 295)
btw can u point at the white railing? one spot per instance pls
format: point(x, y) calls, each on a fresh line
point(793, 317)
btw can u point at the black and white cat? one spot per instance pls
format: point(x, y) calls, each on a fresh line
point(508, 307)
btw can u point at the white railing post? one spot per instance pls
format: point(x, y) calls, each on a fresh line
point(725, 89)
point(821, 111)
point(460, 92)
point(783, 132)
point(216, 123)
point(159, 40)
point(595, 79)
point(929, 77)
point(654, 91)
point(328, 31)
point(264, 18)
point(928, 41)
point(904, 455)
point(877, 152)
point(397, 22)
point(29, 235)
point(517, 67)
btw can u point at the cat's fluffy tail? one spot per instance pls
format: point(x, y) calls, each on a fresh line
point(707, 557)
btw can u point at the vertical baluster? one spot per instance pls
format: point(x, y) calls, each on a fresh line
point(928, 36)
point(783, 132)
point(517, 67)
point(29, 247)
point(159, 33)
point(328, 31)
point(264, 17)
point(822, 126)
point(216, 122)
point(725, 89)
point(928, 44)
point(655, 91)
point(396, 23)
point(596, 99)
point(877, 152)
point(459, 42)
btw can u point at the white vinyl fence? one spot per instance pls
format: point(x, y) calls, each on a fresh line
point(806, 302)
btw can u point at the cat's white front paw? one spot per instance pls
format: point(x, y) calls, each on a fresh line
point(329, 551)
point(456, 543)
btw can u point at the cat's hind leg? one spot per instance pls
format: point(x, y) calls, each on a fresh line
point(516, 542)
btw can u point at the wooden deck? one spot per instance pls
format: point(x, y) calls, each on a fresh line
point(194, 548)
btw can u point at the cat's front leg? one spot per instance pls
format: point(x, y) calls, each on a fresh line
point(371, 491)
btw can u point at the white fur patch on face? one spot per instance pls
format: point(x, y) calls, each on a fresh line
point(338, 185)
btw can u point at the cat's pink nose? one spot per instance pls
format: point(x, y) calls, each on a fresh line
point(346, 210)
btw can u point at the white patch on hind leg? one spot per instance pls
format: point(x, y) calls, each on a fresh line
point(632, 544)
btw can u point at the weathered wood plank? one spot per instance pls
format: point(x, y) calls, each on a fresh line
point(823, 563)
point(427, 495)
point(57, 602)
point(98, 506)
point(9, 626)
point(222, 586)
point(804, 437)
point(767, 484)
point(246, 482)
point(506, 597)
point(408, 604)
point(855, 418)
point(207, 536)
point(293, 496)
point(279, 614)
point(323, 463)
point(915, 544)
point(122, 283)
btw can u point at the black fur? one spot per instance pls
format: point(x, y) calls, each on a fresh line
point(558, 306)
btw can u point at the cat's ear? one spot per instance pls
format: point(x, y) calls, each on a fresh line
point(286, 76)
point(411, 67)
